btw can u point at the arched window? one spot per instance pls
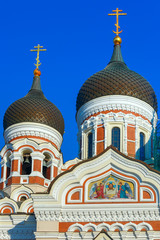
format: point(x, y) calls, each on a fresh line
point(8, 165)
point(116, 137)
point(142, 146)
point(8, 168)
point(90, 145)
point(46, 169)
point(23, 198)
point(27, 163)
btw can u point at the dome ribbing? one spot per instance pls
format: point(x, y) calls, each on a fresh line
point(34, 107)
point(116, 79)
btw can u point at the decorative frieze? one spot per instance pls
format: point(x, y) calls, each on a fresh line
point(98, 216)
point(116, 102)
point(35, 130)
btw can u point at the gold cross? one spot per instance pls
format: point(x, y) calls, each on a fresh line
point(117, 14)
point(38, 49)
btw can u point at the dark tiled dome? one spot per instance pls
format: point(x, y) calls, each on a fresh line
point(116, 79)
point(34, 107)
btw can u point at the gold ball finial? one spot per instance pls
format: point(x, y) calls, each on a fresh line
point(117, 40)
point(37, 72)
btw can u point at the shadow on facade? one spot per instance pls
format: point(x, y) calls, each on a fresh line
point(23, 229)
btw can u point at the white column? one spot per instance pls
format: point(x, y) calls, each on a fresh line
point(52, 163)
point(12, 157)
point(3, 164)
point(105, 135)
point(82, 145)
point(79, 143)
point(136, 141)
point(125, 138)
point(148, 145)
point(37, 156)
point(95, 140)
point(52, 170)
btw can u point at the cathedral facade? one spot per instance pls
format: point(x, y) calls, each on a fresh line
point(111, 191)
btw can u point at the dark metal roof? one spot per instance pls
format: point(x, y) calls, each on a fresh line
point(34, 107)
point(116, 79)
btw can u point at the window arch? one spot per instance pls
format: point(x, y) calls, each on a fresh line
point(46, 170)
point(142, 146)
point(8, 165)
point(90, 145)
point(27, 163)
point(23, 198)
point(116, 137)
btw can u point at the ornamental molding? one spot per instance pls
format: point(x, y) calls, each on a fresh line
point(112, 227)
point(108, 160)
point(116, 102)
point(99, 216)
point(7, 202)
point(20, 190)
point(20, 145)
point(147, 235)
point(35, 130)
point(112, 117)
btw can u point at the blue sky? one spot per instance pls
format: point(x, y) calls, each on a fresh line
point(79, 41)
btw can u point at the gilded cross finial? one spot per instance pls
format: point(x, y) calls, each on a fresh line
point(38, 49)
point(117, 14)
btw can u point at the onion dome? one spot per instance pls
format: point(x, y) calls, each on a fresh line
point(116, 79)
point(34, 107)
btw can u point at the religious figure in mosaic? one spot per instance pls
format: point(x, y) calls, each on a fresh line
point(100, 191)
point(111, 188)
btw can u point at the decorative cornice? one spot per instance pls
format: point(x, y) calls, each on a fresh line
point(116, 102)
point(109, 158)
point(35, 130)
point(125, 234)
point(116, 117)
point(98, 215)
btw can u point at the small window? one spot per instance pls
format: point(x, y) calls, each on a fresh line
point(46, 169)
point(23, 198)
point(90, 145)
point(27, 164)
point(142, 146)
point(8, 165)
point(8, 168)
point(116, 137)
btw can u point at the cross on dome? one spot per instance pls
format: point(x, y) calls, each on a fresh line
point(38, 49)
point(117, 14)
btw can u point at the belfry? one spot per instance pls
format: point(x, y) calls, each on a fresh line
point(111, 191)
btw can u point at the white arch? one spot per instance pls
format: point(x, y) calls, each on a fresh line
point(74, 227)
point(22, 145)
point(89, 226)
point(130, 225)
point(25, 205)
point(5, 148)
point(20, 190)
point(115, 226)
point(103, 226)
point(144, 225)
point(9, 202)
point(50, 147)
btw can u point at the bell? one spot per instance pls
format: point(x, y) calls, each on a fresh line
point(26, 159)
point(44, 163)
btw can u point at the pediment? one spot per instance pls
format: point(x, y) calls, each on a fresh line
point(103, 236)
point(108, 178)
